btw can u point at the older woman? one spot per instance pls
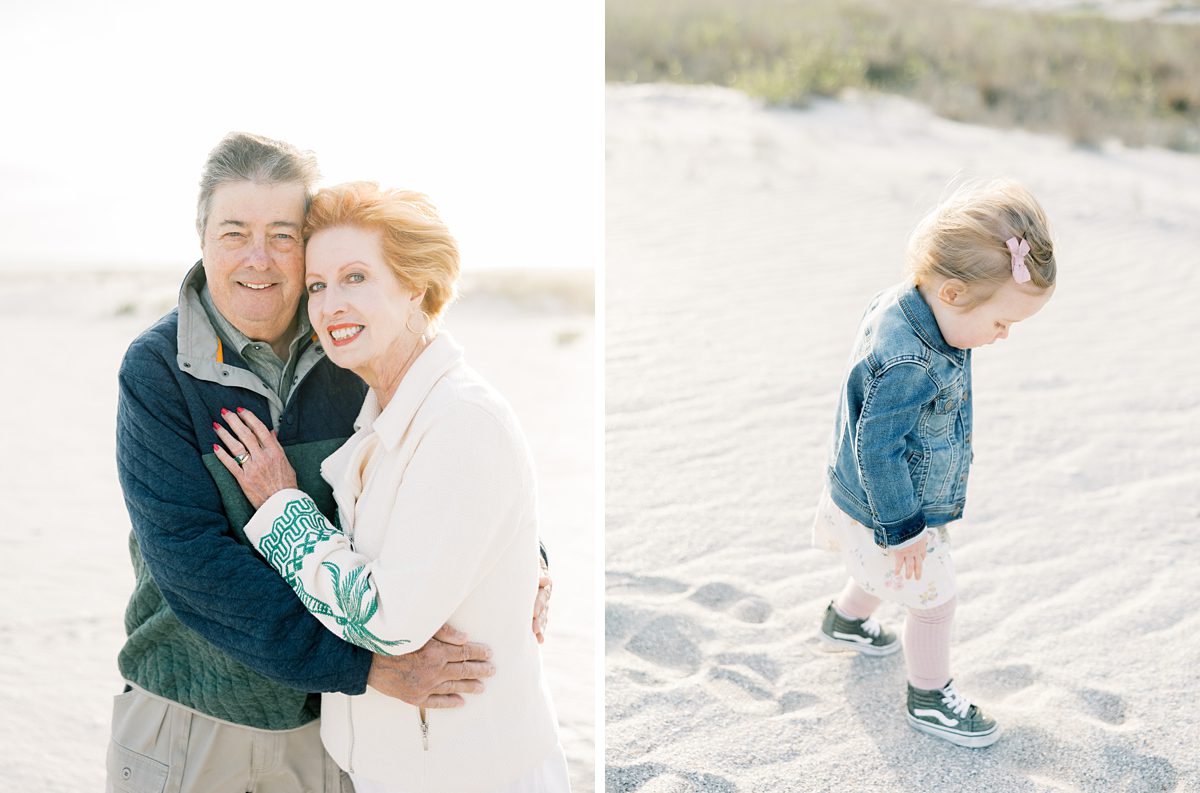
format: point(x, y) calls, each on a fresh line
point(436, 515)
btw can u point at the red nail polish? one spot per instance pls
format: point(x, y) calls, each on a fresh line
point(223, 411)
point(241, 410)
point(216, 426)
point(215, 447)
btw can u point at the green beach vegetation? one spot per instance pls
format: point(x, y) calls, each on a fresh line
point(1083, 75)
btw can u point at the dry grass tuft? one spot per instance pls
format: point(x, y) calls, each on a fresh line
point(540, 290)
point(1089, 77)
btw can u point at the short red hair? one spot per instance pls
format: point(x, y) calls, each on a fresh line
point(416, 243)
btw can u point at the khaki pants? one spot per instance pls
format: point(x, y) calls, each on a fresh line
point(160, 746)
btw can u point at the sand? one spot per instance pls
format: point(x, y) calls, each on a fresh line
point(1171, 11)
point(743, 244)
point(68, 575)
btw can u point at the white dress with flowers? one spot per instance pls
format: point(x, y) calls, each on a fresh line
point(873, 569)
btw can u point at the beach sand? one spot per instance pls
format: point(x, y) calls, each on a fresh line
point(743, 244)
point(68, 577)
point(1171, 11)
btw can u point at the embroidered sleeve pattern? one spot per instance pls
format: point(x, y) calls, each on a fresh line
point(358, 604)
point(293, 538)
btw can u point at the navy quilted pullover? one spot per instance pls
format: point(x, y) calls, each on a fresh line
point(211, 625)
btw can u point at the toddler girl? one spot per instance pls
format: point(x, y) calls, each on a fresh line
point(979, 263)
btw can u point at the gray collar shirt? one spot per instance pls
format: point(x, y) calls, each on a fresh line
point(278, 376)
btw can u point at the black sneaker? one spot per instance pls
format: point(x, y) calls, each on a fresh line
point(864, 636)
point(945, 713)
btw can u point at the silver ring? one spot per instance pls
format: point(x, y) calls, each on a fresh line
point(242, 458)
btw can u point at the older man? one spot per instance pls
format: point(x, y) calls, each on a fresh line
point(221, 657)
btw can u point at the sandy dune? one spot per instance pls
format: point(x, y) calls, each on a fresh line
point(1181, 11)
point(67, 573)
point(742, 246)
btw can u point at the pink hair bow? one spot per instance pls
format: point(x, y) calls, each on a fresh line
point(1018, 249)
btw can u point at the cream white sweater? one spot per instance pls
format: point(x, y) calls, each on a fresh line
point(436, 506)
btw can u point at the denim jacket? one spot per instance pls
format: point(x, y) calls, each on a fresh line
point(902, 441)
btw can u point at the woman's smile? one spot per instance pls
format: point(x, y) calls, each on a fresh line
point(351, 288)
point(344, 333)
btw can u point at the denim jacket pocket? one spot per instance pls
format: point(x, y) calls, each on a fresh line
point(943, 409)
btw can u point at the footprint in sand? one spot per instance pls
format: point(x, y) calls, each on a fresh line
point(1043, 758)
point(617, 581)
point(1104, 705)
point(1005, 680)
point(618, 622)
point(672, 642)
point(792, 701)
point(730, 685)
point(658, 778)
point(764, 665)
point(744, 682)
point(719, 596)
point(669, 641)
point(645, 679)
point(1129, 771)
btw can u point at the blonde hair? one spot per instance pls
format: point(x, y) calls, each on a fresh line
point(417, 246)
point(965, 237)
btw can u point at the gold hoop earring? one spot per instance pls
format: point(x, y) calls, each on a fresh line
point(418, 331)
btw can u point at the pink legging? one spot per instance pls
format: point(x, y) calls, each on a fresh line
point(926, 634)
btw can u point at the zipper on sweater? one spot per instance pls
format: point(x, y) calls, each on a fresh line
point(424, 729)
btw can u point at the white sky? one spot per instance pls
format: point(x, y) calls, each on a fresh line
point(494, 109)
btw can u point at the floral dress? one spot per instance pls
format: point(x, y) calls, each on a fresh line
point(873, 569)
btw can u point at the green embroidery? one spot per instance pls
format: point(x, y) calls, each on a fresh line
point(354, 596)
point(292, 538)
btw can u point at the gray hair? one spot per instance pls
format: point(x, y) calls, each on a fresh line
point(242, 157)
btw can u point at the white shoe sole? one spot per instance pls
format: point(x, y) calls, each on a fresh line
point(865, 649)
point(969, 740)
